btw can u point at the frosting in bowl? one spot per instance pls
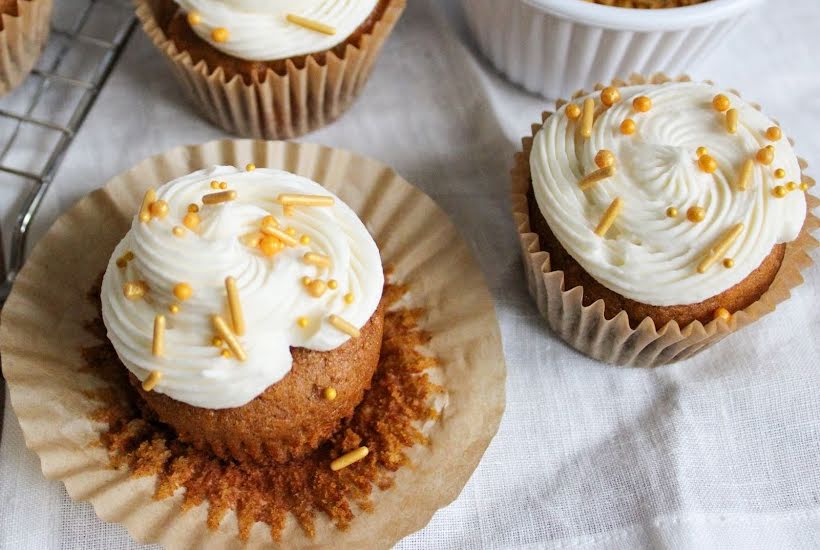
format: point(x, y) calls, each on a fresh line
point(278, 308)
point(259, 30)
point(653, 252)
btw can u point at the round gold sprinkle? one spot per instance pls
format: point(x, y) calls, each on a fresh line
point(174, 308)
point(779, 191)
point(306, 280)
point(183, 291)
point(217, 342)
point(701, 151)
point(332, 284)
point(672, 212)
point(250, 167)
point(290, 231)
point(573, 111)
point(642, 104)
point(723, 313)
point(628, 127)
point(226, 353)
point(223, 184)
point(765, 155)
point(780, 173)
point(728, 263)
point(707, 164)
point(193, 208)
point(178, 231)
point(791, 186)
point(194, 18)
point(316, 288)
point(804, 186)
point(610, 96)
point(696, 214)
point(219, 34)
point(721, 103)
point(329, 394)
point(773, 133)
point(191, 220)
point(159, 209)
point(604, 158)
point(214, 184)
point(304, 239)
point(302, 322)
point(349, 298)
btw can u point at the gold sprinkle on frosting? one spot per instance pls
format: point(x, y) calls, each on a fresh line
point(224, 331)
point(718, 250)
point(216, 198)
point(158, 345)
point(598, 175)
point(311, 24)
point(319, 260)
point(152, 380)
point(609, 216)
point(344, 326)
point(145, 210)
point(292, 199)
point(731, 121)
point(745, 174)
point(235, 306)
point(279, 234)
point(587, 117)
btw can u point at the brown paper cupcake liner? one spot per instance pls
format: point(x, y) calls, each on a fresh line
point(276, 106)
point(613, 340)
point(22, 40)
point(42, 334)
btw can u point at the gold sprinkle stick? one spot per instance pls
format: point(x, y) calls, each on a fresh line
point(145, 209)
point(235, 306)
point(310, 24)
point(349, 458)
point(151, 382)
point(216, 198)
point(731, 121)
point(222, 328)
point(594, 177)
point(587, 117)
point(720, 247)
point(319, 260)
point(745, 174)
point(609, 216)
point(344, 326)
point(290, 199)
point(279, 234)
point(158, 348)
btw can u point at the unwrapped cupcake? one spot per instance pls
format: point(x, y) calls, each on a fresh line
point(24, 26)
point(246, 306)
point(271, 68)
point(652, 214)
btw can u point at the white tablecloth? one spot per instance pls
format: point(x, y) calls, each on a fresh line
point(720, 451)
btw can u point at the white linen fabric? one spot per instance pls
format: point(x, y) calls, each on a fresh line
point(720, 451)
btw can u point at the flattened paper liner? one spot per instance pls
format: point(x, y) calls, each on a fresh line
point(275, 107)
point(612, 340)
point(41, 335)
point(22, 40)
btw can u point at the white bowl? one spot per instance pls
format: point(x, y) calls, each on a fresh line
point(555, 47)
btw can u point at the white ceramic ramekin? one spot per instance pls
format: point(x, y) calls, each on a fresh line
point(554, 47)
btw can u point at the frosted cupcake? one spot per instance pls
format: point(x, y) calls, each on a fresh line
point(271, 69)
point(246, 307)
point(659, 204)
point(24, 26)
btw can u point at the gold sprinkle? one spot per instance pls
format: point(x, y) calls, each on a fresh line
point(791, 186)
point(134, 291)
point(183, 291)
point(330, 393)
point(319, 260)
point(306, 280)
point(270, 245)
point(302, 322)
point(291, 199)
point(191, 220)
point(158, 346)
point(173, 308)
point(344, 326)
point(235, 306)
point(226, 353)
point(288, 211)
point(594, 177)
point(721, 103)
point(604, 158)
point(250, 167)
point(214, 184)
point(281, 235)
point(290, 231)
point(731, 121)
point(573, 111)
point(194, 18)
point(220, 34)
point(216, 198)
point(123, 260)
point(217, 342)
point(718, 250)
point(765, 155)
point(311, 24)
point(304, 239)
point(332, 284)
point(701, 151)
point(609, 216)
point(745, 174)
point(151, 382)
point(803, 186)
point(779, 191)
point(223, 185)
point(672, 212)
point(349, 298)
point(147, 200)
point(192, 208)
point(225, 333)
point(347, 459)
point(587, 117)
point(642, 104)
point(178, 231)
point(774, 133)
point(628, 127)
point(317, 288)
point(722, 313)
point(780, 173)
point(696, 214)
point(270, 221)
point(610, 96)
point(728, 263)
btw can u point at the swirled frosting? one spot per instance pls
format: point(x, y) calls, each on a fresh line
point(258, 30)
point(272, 293)
point(648, 255)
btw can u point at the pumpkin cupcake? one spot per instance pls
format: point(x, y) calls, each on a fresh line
point(246, 306)
point(652, 213)
point(24, 26)
point(271, 69)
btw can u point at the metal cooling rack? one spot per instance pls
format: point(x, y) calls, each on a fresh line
point(39, 120)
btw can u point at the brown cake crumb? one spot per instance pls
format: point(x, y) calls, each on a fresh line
point(648, 4)
point(386, 422)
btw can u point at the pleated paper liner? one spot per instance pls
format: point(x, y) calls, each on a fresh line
point(42, 334)
point(613, 340)
point(277, 106)
point(22, 40)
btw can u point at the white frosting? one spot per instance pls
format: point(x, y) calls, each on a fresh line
point(647, 256)
point(258, 30)
point(271, 291)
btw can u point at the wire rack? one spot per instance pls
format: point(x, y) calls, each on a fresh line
point(39, 120)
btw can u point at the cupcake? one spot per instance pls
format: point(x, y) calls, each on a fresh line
point(653, 205)
point(24, 26)
point(553, 47)
point(246, 307)
point(272, 69)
